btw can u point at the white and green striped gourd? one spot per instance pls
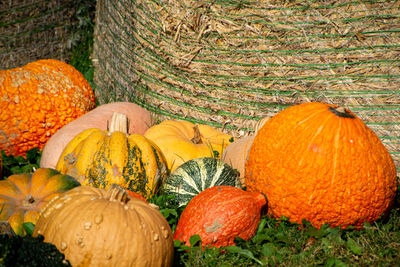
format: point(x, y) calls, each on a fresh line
point(196, 175)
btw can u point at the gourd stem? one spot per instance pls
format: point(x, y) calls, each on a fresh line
point(197, 136)
point(342, 112)
point(260, 199)
point(119, 122)
point(117, 193)
point(28, 201)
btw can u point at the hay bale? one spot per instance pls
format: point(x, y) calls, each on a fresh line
point(230, 63)
point(32, 30)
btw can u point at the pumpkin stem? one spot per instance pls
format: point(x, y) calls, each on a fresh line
point(28, 201)
point(117, 193)
point(342, 112)
point(197, 136)
point(119, 122)
point(260, 199)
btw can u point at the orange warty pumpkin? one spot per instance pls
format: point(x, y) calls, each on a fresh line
point(219, 214)
point(321, 163)
point(38, 99)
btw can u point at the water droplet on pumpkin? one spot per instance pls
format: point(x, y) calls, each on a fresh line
point(78, 240)
point(165, 234)
point(39, 232)
point(87, 225)
point(98, 219)
point(63, 246)
point(156, 237)
point(58, 205)
point(126, 207)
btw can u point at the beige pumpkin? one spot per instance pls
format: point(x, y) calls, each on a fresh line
point(98, 227)
point(138, 117)
point(236, 153)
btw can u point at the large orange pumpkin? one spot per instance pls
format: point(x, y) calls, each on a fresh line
point(321, 163)
point(38, 99)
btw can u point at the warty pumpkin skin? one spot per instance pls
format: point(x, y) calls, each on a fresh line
point(22, 196)
point(181, 141)
point(101, 158)
point(38, 99)
point(139, 120)
point(219, 214)
point(321, 163)
point(97, 227)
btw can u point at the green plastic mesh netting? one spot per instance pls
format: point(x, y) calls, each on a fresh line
point(228, 63)
point(36, 29)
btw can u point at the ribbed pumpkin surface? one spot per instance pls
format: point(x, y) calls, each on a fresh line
point(22, 196)
point(97, 227)
point(181, 141)
point(195, 175)
point(321, 163)
point(219, 214)
point(38, 99)
point(100, 158)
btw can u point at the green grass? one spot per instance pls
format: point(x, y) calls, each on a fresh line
point(277, 242)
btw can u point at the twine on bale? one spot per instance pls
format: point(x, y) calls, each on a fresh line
point(32, 30)
point(229, 63)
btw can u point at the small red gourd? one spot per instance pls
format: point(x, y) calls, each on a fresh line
point(219, 214)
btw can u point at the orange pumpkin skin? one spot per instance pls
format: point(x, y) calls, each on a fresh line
point(219, 214)
point(139, 120)
point(321, 163)
point(1, 165)
point(22, 196)
point(136, 195)
point(38, 99)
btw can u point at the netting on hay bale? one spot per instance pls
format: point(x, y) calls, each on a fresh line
point(32, 30)
point(228, 63)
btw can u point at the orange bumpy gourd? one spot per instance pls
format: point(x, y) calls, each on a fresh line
point(219, 214)
point(321, 163)
point(38, 99)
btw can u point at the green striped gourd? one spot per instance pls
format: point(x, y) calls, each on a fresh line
point(196, 175)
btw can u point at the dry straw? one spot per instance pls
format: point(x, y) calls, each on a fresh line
point(32, 30)
point(228, 63)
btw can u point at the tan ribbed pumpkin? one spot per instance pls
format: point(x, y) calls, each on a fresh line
point(98, 227)
point(236, 153)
